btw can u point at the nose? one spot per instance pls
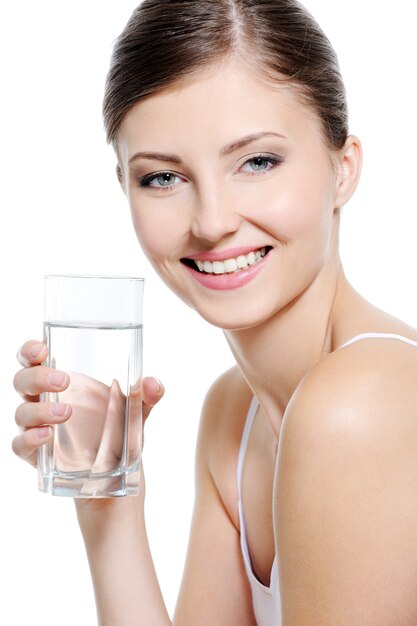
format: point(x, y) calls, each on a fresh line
point(214, 216)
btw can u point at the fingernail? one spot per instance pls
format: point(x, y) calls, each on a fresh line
point(44, 432)
point(36, 350)
point(59, 409)
point(57, 379)
point(158, 383)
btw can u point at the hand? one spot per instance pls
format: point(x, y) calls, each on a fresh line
point(34, 417)
point(84, 397)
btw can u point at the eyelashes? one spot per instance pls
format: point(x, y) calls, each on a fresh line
point(147, 180)
point(164, 179)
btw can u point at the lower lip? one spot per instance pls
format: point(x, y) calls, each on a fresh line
point(233, 280)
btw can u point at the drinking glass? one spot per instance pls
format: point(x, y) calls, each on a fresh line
point(93, 330)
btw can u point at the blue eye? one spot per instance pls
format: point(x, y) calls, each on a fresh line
point(260, 163)
point(164, 180)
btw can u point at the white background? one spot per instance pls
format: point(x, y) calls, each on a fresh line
point(62, 211)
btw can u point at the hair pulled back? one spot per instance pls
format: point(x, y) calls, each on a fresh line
point(167, 40)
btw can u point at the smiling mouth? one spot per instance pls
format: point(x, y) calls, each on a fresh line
point(229, 266)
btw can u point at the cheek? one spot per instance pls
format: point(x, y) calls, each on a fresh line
point(154, 230)
point(301, 207)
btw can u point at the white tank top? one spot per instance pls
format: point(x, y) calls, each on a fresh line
point(266, 600)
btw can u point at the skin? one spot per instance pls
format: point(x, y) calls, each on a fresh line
point(310, 424)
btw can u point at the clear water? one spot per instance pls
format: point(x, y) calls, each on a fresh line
point(96, 453)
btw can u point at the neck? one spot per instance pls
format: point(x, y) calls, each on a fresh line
point(275, 355)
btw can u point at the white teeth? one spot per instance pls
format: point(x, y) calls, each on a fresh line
point(251, 258)
point(231, 265)
point(242, 261)
point(218, 267)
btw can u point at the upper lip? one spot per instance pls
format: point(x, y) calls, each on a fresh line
point(222, 255)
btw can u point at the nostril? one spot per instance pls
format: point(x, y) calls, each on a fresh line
point(212, 225)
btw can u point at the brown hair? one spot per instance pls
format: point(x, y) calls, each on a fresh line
point(167, 40)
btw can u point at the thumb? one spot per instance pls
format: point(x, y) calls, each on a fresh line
point(152, 392)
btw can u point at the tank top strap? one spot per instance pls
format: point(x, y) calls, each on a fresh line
point(378, 336)
point(244, 443)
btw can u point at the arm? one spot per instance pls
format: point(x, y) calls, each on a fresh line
point(125, 584)
point(113, 528)
point(345, 507)
point(214, 590)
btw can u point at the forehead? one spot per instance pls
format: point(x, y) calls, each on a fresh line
point(218, 104)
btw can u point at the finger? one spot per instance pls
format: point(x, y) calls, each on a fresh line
point(27, 444)
point(113, 433)
point(39, 379)
point(152, 392)
point(32, 353)
point(32, 414)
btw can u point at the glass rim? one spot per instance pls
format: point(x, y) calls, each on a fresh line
point(94, 276)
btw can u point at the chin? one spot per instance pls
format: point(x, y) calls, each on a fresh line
point(237, 309)
point(234, 317)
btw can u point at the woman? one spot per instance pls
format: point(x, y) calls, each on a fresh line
point(233, 151)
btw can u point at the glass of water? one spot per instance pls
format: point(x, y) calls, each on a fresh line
point(93, 330)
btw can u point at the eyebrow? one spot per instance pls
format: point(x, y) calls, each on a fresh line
point(226, 150)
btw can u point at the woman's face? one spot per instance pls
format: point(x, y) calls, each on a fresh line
point(232, 193)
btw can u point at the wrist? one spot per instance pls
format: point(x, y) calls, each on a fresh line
point(101, 513)
point(123, 574)
point(97, 517)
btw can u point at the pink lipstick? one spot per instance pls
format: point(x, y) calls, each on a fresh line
point(227, 269)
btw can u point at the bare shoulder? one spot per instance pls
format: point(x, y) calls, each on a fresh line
point(223, 414)
point(371, 384)
point(359, 400)
point(225, 401)
point(345, 503)
point(224, 407)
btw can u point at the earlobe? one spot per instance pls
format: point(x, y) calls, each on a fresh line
point(350, 166)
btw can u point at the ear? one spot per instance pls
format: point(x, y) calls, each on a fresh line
point(349, 166)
